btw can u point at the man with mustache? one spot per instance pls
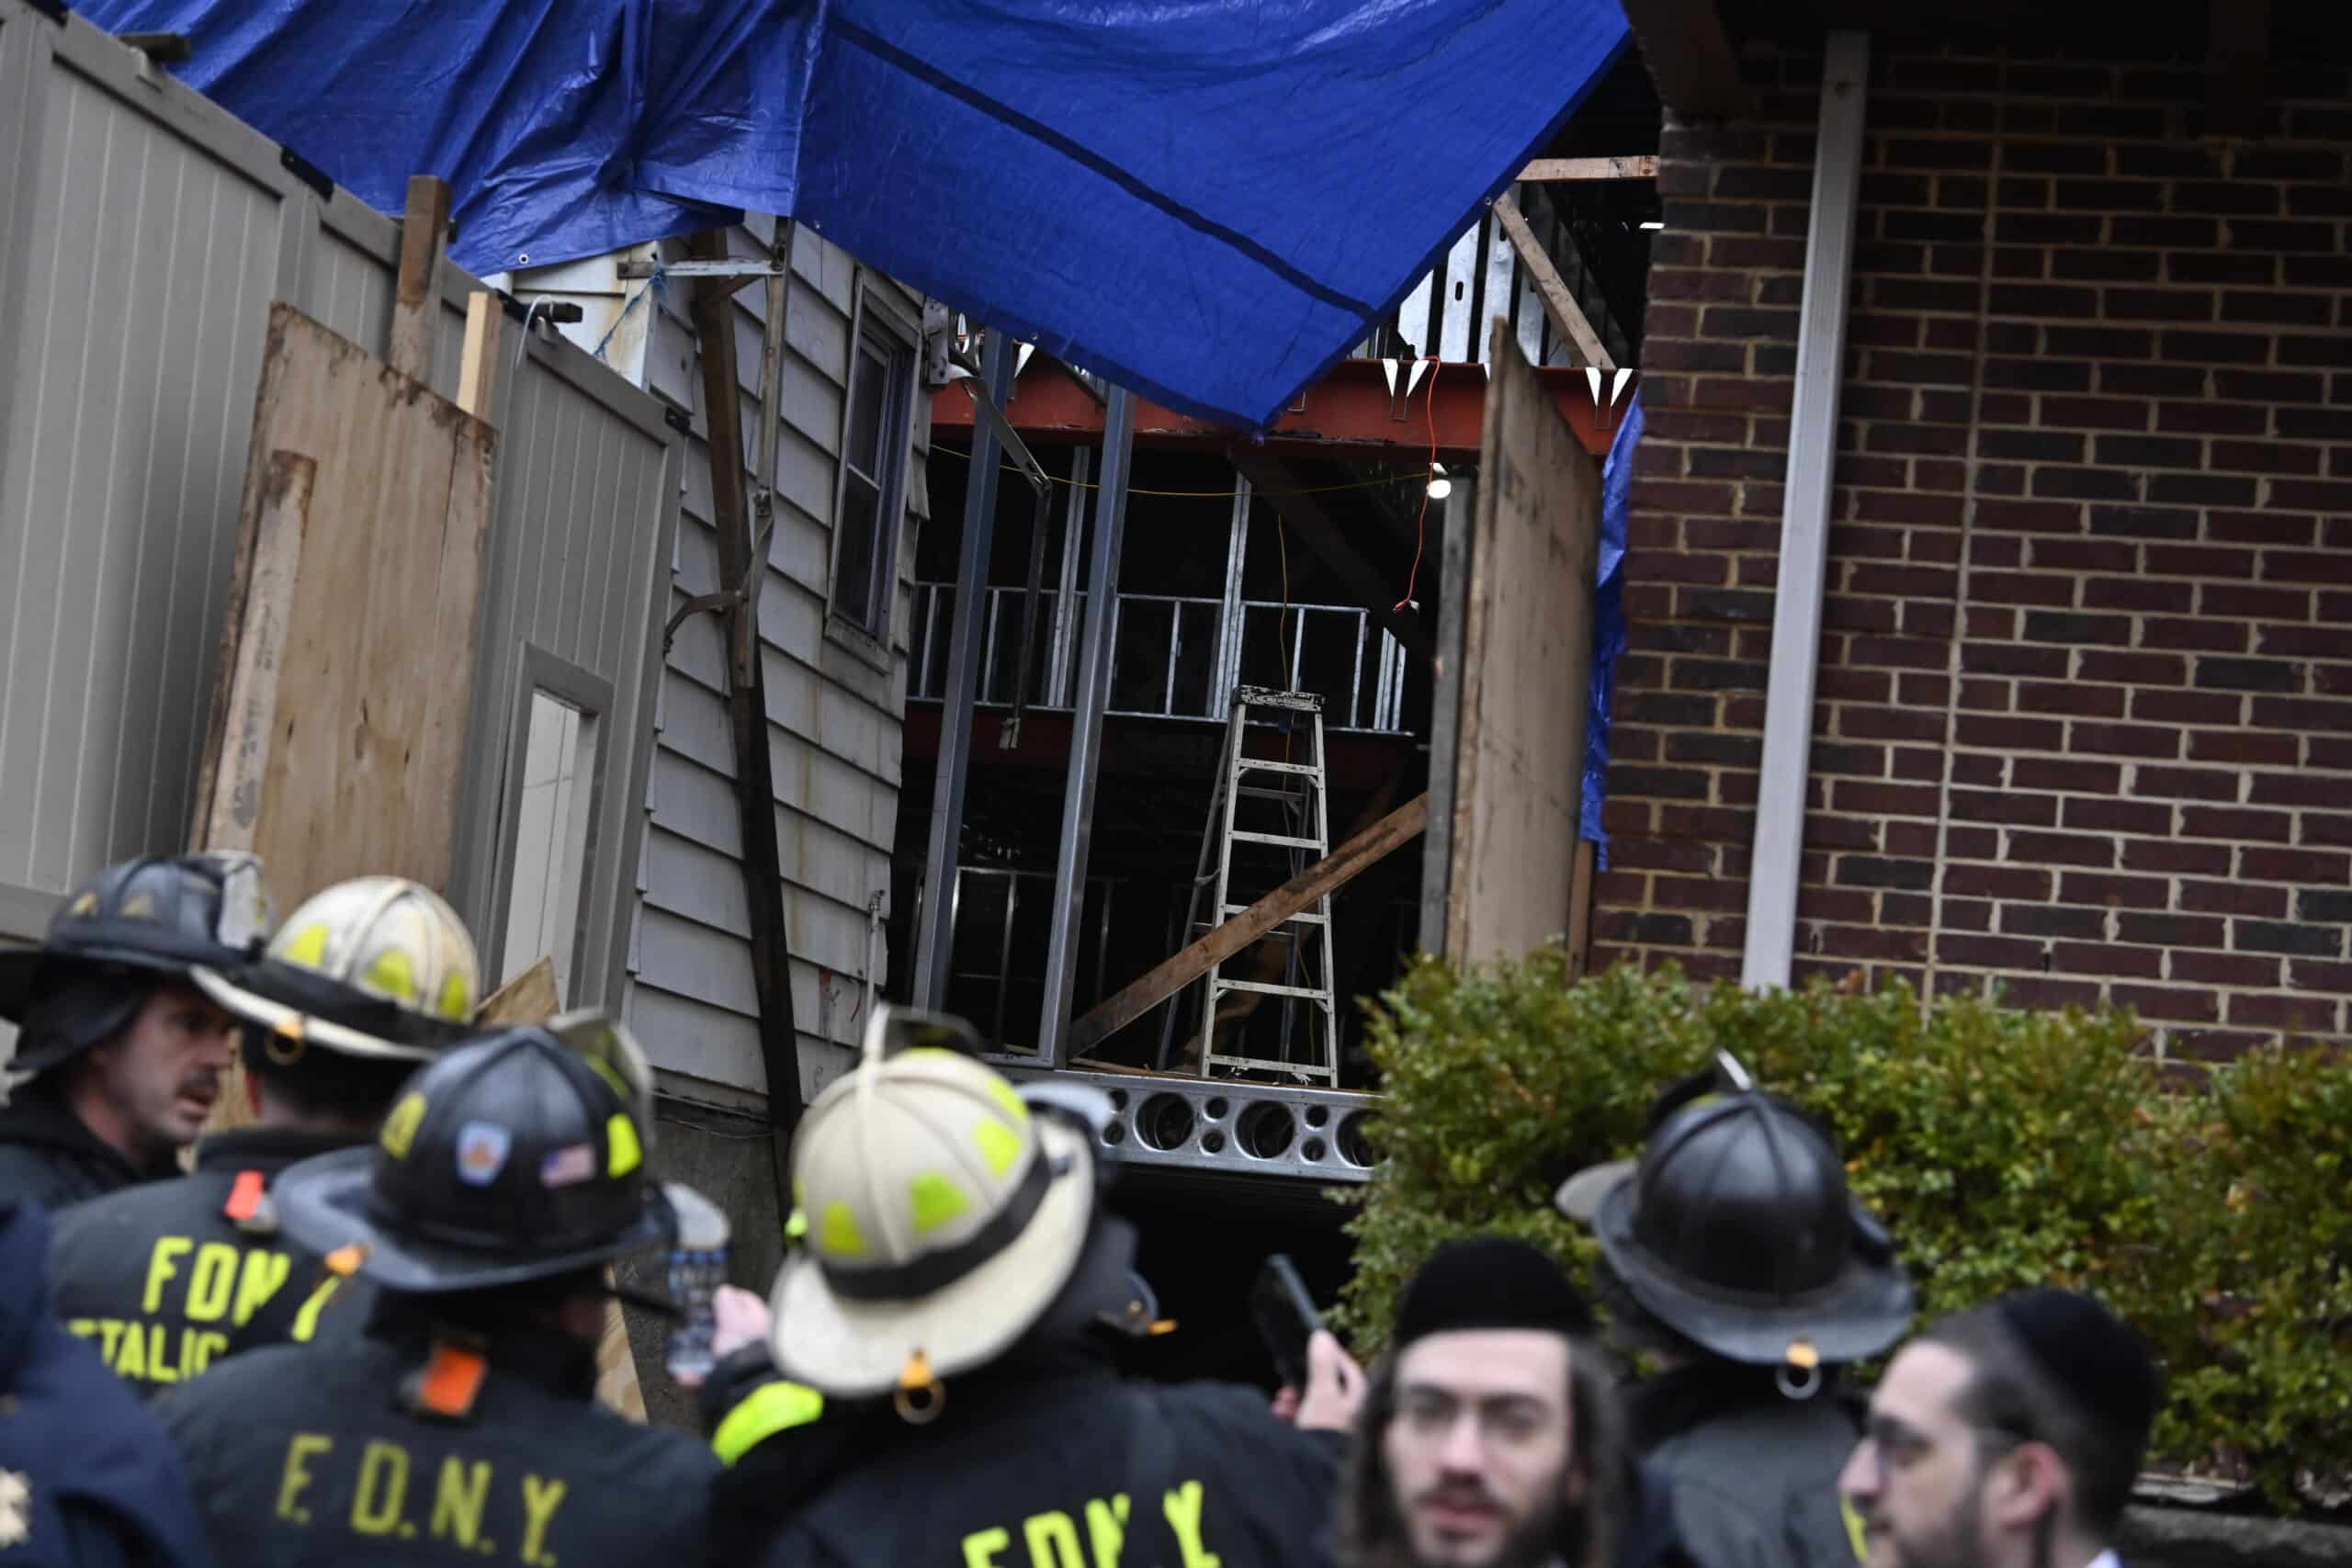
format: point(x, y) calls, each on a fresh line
point(1490, 1436)
point(364, 983)
point(124, 1052)
point(2007, 1435)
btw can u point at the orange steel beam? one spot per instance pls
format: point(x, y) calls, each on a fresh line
point(1349, 410)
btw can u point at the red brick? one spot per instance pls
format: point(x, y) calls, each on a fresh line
point(2096, 813)
point(1872, 942)
point(2000, 882)
point(2108, 958)
point(2318, 974)
point(2302, 714)
point(2051, 920)
point(2172, 930)
point(1917, 690)
point(1910, 838)
point(1697, 893)
point(2302, 1015)
point(1902, 653)
point(2030, 516)
point(2187, 707)
point(2166, 855)
point(1850, 904)
point(2123, 740)
point(1630, 853)
point(2170, 1005)
point(2326, 829)
point(2002, 732)
point(2060, 849)
point(1989, 951)
point(1906, 909)
point(2242, 746)
point(2293, 566)
point(1985, 696)
point(2114, 891)
point(2132, 668)
point(2226, 968)
point(2186, 784)
point(2021, 588)
point(1962, 842)
point(2294, 865)
point(2009, 807)
point(1870, 798)
point(2298, 789)
point(2051, 772)
point(2234, 898)
point(2211, 1045)
point(2219, 822)
point(2074, 699)
point(2201, 634)
point(1967, 914)
point(2261, 528)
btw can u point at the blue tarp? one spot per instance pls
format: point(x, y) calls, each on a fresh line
point(1608, 620)
point(1209, 201)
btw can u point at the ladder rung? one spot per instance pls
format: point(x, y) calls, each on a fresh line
point(1302, 916)
point(1265, 766)
point(1265, 989)
point(1262, 792)
point(1278, 840)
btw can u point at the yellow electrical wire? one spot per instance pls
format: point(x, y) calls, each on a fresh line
point(1225, 494)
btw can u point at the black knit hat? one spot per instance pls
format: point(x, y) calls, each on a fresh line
point(2094, 1358)
point(1490, 1282)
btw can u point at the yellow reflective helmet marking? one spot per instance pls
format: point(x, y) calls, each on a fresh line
point(1016, 1110)
point(999, 1144)
point(457, 998)
point(936, 1200)
point(400, 1127)
point(138, 907)
point(623, 1151)
point(306, 947)
point(768, 1409)
point(839, 1234)
point(392, 974)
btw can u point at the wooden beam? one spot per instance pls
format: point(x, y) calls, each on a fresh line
point(2237, 57)
point(418, 295)
point(714, 312)
point(1558, 304)
point(1639, 166)
point(478, 367)
point(1321, 533)
point(1162, 981)
point(1689, 56)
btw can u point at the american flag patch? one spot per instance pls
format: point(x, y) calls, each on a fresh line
point(573, 1162)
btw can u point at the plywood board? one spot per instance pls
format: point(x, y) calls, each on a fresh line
point(1526, 665)
point(375, 654)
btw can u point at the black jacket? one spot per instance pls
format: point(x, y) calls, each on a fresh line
point(47, 1156)
point(1755, 1473)
point(313, 1454)
point(1043, 1457)
point(86, 1478)
point(168, 1277)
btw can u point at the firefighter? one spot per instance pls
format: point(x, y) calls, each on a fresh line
point(462, 1428)
point(87, 1480)
point(363, 983)
point(945, 1315)
point(1736, 1255)
point(124, 1052)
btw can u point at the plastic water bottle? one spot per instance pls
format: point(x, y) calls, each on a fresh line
point(697, 1268)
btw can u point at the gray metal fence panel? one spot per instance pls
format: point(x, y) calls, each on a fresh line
point(143, 233)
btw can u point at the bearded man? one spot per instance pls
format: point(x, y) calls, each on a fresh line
point(1490, 1435)
point(2007, 1435)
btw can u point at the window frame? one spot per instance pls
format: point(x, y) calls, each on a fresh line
point(897, 330)
point(536, 671)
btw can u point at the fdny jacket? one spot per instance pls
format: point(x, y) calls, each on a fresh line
point(86, 1478)
point(1045, 1457)
point(47, 1156)
point(404, 1448)
point(166, 1278)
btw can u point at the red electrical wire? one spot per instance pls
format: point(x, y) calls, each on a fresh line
point(1421, 524)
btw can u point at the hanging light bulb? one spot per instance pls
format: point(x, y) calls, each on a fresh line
point(1440, 486)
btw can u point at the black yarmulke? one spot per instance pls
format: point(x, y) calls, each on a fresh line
point(2090, 1354)
point(1490, 1282)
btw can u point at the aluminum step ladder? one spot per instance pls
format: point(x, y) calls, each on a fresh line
point(1298, 790)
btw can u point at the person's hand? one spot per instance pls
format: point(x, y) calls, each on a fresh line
point(1334, 1392)
point(741, 1318)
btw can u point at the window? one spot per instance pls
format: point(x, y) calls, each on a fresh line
point(867, 515)
point(552, 799)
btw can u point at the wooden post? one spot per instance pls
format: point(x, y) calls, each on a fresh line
point(747, 709)
point(1558, 304)
point(478, 370)
point(1327, 875)
point(422, 233)
point(229, 782)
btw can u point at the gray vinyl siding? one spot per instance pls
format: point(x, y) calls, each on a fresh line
point(834, 720)
point(144, 233)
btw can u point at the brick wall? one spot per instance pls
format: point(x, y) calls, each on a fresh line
point(2084, 717)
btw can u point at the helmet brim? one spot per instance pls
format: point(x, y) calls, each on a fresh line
point(24, 965)
point(848, 1349)
point(322, 1205)
point(288, 1003)
point(1863, 1310)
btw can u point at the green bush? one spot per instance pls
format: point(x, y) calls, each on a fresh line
point(2003, 1148)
